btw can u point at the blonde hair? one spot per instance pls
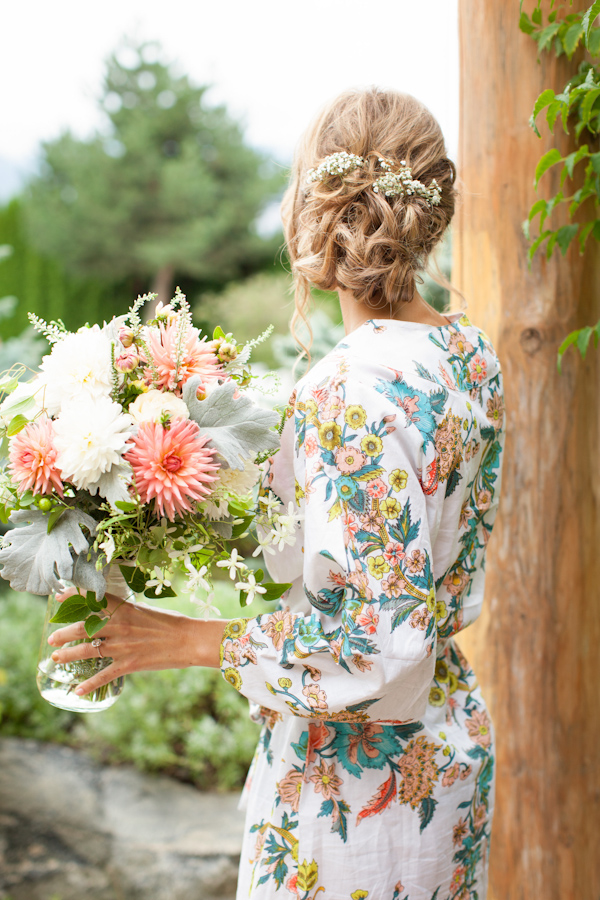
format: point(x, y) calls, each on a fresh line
point(341, 233)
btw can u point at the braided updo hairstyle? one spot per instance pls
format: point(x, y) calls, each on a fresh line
point(340, 233)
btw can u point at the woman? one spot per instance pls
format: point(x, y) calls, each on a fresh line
point(374, 772)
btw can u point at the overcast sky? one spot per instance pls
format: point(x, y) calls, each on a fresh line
point(273, 62)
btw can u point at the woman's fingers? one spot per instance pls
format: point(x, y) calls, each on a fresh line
point(97, 681)
point(80, 651)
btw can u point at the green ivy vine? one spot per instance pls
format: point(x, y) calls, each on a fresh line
point(577, 109)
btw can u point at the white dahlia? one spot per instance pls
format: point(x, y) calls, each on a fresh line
point(91, 437)
point(79, 366)
point(149, 407)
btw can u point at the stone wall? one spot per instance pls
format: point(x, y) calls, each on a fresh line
point(71, 828)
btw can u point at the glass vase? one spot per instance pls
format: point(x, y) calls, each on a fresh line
point(57, 681)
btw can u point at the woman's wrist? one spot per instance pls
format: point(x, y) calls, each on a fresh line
point(203, 639)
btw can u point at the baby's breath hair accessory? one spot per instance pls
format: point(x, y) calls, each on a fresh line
point(402, 184)
point(336, 164)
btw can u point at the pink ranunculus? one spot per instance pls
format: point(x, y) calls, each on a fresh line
point(177, 358)
point(171, 465)
point(32, 457)
point(127, 361)
point(376, 489)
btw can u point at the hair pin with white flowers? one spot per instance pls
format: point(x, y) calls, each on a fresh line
point(390, 184)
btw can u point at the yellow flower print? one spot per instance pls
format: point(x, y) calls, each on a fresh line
point(285, 683)
point(452, 682)
point(378, 566)
point(431, 600)
point(308, 875)
point(359, 895)
point(330, 435)
point(442, 672)
point(398, 479)
point(311, 411)
point(298, 492)
point(233, 677)
point(437, 697)
point(440, 610)
point(355, 416)
point(235, 628)
point(371, 445)
point(270, 687)
point(390, 508)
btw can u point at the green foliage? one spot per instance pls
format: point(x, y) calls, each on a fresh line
point(577, 108)
point(189, 723)
point(36, 282)
point(168, 186)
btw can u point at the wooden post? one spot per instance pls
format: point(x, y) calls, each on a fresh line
point(537, 645)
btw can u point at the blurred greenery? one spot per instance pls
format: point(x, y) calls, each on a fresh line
point(188, 723)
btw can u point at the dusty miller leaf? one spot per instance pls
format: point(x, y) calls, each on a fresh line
point(86, 576)
point(33, 560)
point(237, 428)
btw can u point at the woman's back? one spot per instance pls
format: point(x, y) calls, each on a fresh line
point(393, 454)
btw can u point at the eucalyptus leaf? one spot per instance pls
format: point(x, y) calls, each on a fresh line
point(33, 560)
point(236, 427)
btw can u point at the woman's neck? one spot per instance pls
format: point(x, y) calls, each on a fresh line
point(355, 313)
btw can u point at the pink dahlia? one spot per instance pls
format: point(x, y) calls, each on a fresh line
point(33, 459)
point(171, 465)
point(195, 356)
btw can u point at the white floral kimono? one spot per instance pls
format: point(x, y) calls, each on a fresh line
point(374, 773)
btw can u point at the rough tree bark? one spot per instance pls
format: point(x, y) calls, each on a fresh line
point(535, 649)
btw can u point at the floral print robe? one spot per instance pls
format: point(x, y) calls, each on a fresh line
point(374, 773)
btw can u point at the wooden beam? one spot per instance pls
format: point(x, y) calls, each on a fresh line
point(536, 647)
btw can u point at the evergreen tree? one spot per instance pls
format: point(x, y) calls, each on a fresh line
point(169, 189)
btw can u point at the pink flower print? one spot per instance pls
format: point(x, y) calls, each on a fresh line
point(291, 883)
point(377, 489)
point(466, 513)
point(360, 581)
point(479, 728)
point(450, 383)
point(325, 780)
point(371, 521)
point(484, 500)
point(415, 562)
point(351, 526)
point(289, 788)
point(478, 367)
point(317, 699)
point(278, 626)
point(460, 830)
point(310, 445)
point(480, 816)
point(393, 585)
point(464, 773)
point(362, 664)
point(315, 674)
point(368, 620)
point(420, 619)
point(459, 344)
point(450, 775)
point(334, 407)
point(393, 553)
point(337, 578)
point(349, 460)
point(455, 582)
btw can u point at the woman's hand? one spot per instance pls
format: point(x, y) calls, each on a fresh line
point(141, 638)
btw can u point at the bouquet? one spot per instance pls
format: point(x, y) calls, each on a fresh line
point(133, 453)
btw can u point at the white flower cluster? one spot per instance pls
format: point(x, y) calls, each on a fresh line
point(402, 184)
point(391, 184)
point(274, 528)
point(336, 164)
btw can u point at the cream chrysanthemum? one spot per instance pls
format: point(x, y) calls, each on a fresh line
point(91, 437)
point(79, 366)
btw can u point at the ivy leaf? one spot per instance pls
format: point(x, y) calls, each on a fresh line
point(236, 427)
point(588, 21)
point(93, 624)
point(564, 236)
point(33, 560)
point(73, 609)
point(545, 98)
point(548, 160)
